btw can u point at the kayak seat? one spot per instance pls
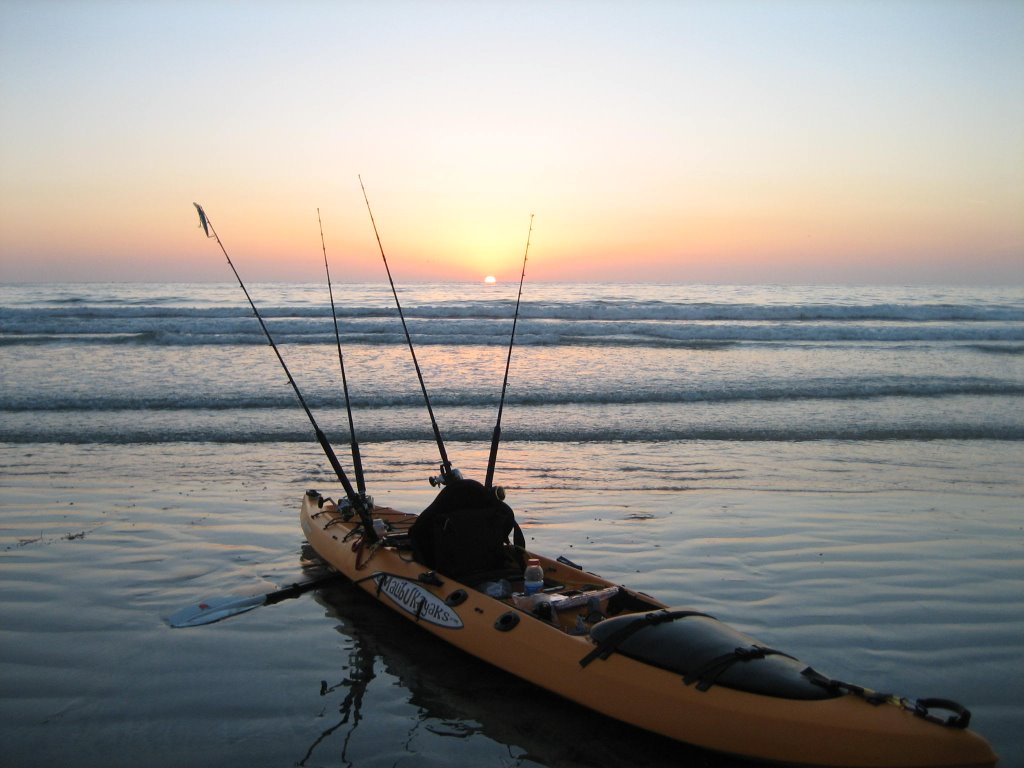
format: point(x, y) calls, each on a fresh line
point(464, 533)
point(705, 652)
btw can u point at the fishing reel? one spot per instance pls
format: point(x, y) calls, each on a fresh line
point(348, 511)
point(345, 509)
point(445, 477)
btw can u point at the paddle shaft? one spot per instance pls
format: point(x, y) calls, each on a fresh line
point(214, 609)
point(286, 593)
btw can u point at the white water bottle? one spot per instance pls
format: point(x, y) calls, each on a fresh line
point(533, 577)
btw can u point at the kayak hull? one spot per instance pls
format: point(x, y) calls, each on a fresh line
point(843, 730)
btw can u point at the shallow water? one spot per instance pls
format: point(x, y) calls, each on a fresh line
point(889, 564)
point(835, 470)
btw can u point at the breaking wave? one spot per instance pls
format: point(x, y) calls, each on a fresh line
point(541, 323)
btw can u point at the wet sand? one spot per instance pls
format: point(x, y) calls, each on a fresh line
point(903, 575)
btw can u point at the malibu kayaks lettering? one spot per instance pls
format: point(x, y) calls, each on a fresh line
point(417, 601)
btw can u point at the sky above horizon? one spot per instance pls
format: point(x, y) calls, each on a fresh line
point(737, 142)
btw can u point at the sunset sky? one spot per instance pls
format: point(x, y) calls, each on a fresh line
point(693, 141)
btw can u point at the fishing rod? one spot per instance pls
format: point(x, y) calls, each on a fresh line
point(496, 435)
point(357, 463)
point(447, 473)
point(358, 502)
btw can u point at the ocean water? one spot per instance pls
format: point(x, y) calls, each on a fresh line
point(836, 470)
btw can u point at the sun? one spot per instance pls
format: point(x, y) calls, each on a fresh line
point(490, 280)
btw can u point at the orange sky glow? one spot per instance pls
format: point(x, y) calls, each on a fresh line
point(695, 141)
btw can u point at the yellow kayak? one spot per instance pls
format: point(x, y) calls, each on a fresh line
point(678, 673)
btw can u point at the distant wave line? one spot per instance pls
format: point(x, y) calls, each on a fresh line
point(571, 311)
point(483, 333)
point(551, 434)
point(910, 388)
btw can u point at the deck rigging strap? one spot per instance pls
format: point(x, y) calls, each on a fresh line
point(707, 674)
point(961, 717)
point(610, 644)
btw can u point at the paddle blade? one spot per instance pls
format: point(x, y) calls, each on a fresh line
point(214, 609)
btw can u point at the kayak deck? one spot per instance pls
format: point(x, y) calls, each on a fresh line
point(576, 640)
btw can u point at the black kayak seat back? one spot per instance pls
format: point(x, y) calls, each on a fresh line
point(705, 652)
point(464, 533)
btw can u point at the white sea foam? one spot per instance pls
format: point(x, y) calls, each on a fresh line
point(124, 363)
point(652, 316)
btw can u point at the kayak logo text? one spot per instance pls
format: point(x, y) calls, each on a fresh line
point(415, 600)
